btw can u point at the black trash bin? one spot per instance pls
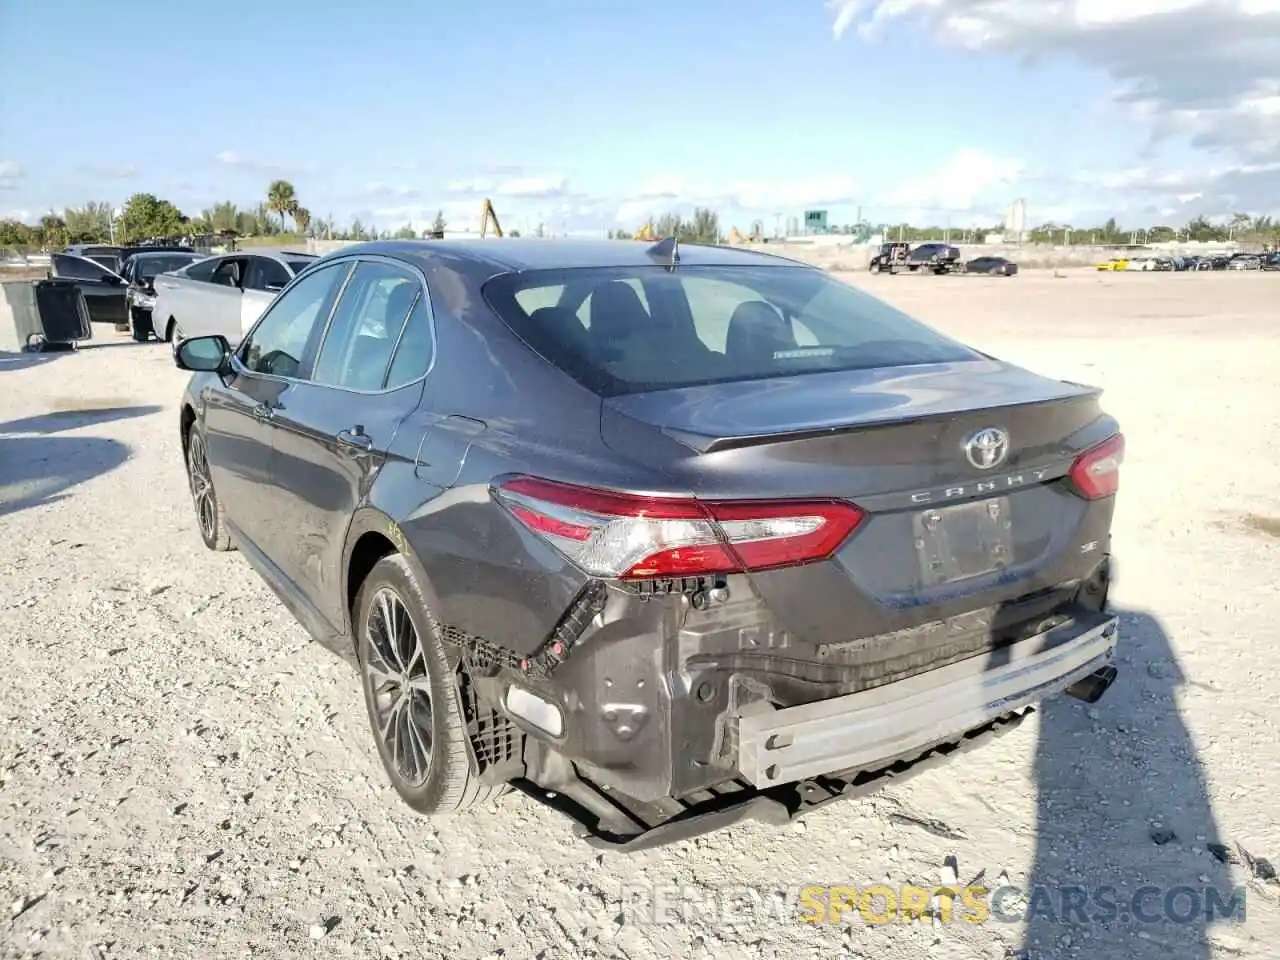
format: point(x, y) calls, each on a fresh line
point(43, 314)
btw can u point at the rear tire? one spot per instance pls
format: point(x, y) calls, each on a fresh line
point(411, 694)
point(170, 330)
point(211, 518)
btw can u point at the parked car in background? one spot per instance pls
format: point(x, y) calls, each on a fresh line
point(140, 271)
point(103, 289)
point(1271, 261)
point(661, 565)
point(1115, 263)
point(934, 258)
point(222, 295)
point(1245, 261)
point(994, 266)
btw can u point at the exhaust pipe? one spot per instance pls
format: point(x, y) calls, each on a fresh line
point(1091, 688)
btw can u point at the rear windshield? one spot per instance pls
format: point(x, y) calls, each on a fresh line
point(635, 329)
point(297, 266)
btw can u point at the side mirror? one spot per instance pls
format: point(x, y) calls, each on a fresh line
point(209, 354)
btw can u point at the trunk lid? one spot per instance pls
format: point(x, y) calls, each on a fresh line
point(943, 535)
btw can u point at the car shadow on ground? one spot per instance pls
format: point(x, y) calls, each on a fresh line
point(37, 468)
point(1123, 866)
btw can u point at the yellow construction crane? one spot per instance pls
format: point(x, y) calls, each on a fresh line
point(487, 213)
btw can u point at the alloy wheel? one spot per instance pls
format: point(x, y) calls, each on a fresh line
point(395, 671)
point(202, 486)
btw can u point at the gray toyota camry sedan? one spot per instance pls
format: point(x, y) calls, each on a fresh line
point(663, 535)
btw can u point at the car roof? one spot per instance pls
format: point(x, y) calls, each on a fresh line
point(534, 253)
point(164, 253)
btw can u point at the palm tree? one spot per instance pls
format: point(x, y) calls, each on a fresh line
point(281, 199)
point(301, 219)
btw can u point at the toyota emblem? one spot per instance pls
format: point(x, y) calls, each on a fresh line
point(987, 448)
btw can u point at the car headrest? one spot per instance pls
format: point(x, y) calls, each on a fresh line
point(756, 330)
point(399, 300)
point(616, 312)
point(562, 326)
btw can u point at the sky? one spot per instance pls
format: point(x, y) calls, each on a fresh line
point(595, 114)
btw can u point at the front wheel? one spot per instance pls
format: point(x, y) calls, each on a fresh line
point(210, 515)
point(411, 694)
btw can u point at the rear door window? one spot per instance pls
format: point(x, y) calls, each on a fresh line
point(362, 335)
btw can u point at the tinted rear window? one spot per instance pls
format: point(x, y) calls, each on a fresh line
point(154, 266)
point(629, 330)
point(297, 266)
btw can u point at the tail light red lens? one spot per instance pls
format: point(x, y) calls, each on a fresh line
point(1096, 472)
point(629, 537)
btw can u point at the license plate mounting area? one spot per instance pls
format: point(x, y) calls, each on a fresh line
point(963, 540)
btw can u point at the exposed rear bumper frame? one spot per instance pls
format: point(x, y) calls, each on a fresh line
point(860, 730)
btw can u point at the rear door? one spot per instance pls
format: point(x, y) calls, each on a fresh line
point(333, 430)
point(104, 291)
point(238, 414)
point(264, 277)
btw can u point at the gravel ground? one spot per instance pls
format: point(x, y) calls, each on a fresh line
point(183, 774)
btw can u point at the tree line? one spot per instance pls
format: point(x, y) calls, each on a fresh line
point(145, 216)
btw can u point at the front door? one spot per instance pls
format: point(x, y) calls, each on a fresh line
point(335, 429)
point(104, 291)
point(239, 416)
point(264, 277)
point(219, 300)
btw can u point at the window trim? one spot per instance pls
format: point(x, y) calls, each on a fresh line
point(312, 350)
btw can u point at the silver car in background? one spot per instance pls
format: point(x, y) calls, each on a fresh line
point(223, 294)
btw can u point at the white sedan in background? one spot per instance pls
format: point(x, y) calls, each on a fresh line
point(222, 294)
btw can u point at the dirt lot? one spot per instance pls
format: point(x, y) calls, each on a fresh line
point(182, 774)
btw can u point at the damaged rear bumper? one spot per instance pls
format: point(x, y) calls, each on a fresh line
point(793, 760)
point(862, 729)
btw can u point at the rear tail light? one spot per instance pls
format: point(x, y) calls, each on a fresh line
point(1096, 472)
point(629, 537)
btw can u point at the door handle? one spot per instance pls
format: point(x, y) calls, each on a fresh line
point(263, 412)
point(355, 440)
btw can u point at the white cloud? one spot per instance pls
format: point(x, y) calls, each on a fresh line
point(230, 158)
point(545, 187)
point(10, 173)
point(1203, 71)
point(124, 172)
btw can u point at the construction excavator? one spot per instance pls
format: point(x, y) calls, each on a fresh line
point(646, 232)
point(487, 213)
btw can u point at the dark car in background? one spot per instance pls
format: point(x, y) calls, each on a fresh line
point(139, 272)
point(666, 537)
point(934, 258)
point(992, 266)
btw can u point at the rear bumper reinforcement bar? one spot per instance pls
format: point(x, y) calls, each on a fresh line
point(861, 730)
